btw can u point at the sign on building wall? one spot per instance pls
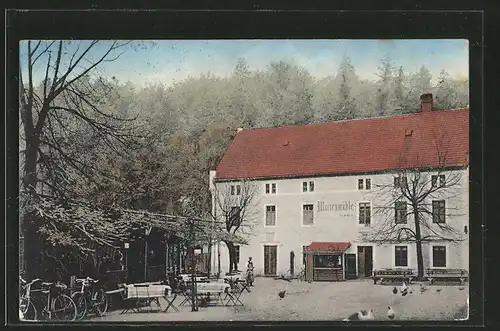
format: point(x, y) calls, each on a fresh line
point(343, 209)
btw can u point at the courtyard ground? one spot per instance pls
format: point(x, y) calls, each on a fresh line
point(319, 301)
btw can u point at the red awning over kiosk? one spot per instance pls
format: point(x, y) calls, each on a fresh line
point(327, 247)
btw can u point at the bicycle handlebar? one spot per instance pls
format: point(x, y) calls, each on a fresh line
point(30, 283)
point(88, 279)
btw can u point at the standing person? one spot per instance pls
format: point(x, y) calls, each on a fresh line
point(250, 276)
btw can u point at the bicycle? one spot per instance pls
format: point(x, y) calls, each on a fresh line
point(27, 310)
point(58, 306)
point(90, 298)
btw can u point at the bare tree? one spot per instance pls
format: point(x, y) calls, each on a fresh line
point(413, 206)
point(235, 212)
point(64, 90)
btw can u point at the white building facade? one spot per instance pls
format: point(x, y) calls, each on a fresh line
point(283, 220)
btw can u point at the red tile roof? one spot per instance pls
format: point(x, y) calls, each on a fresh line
point(328, 246)
point(356, 146)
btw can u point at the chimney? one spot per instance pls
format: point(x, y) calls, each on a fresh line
point(239, 130)
point(426, 101)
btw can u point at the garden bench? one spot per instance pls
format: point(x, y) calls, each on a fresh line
point(400, 275)
point(434, 274)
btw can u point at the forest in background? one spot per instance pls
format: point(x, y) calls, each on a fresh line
point(183, 130)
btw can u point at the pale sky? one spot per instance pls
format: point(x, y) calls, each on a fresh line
point(169, 61)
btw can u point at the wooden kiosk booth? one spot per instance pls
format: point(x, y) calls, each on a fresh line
point(325, 261)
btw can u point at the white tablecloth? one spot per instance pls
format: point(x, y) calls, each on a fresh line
point(187, 278)
point(204, 288)
point(149, 291)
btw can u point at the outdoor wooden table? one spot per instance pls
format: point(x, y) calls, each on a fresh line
point(216, 289)
point(149, 293)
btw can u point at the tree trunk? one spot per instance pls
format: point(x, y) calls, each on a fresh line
point(32, 243)
point(418, 244)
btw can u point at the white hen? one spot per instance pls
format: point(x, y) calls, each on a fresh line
point(364, 315)
point(390, 313)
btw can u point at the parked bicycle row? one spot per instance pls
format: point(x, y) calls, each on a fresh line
point(39, 300)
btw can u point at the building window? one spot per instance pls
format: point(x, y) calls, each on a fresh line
point(234, 216)
point(308, 214)
point(271, 188)
point(439, 256)
point(360, 184)
point(400, 182)
point(442, 180)
point(364, 213)
point(306, 188)
point(401, 212)
point(237, 249)
point(438, 211)
point(236, 189)
point(270, 215)
point(368, 183)
point(401, 256)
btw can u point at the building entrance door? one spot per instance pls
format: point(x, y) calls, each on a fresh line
point(270, 260)
point(350, 266)
point(365, 261)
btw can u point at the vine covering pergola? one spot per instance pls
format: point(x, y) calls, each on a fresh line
point(83, 229)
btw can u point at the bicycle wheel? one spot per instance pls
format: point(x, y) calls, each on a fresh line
point(81, 305)
point(63, 308)
point(27, 310)
point(100, 302)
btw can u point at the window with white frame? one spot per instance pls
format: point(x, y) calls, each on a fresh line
point(308, 186)
point(270, 215)
point(434, 180)
point(308, 214)
point(400, 212)
point(235, 189)
point(439, 256)
point(271, 188)
point(365, 184)
point(401, 256)
point(364, 213)
point(438, 211)
point(400, 182)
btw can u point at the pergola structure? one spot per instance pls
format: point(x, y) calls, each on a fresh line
point(90, 232)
